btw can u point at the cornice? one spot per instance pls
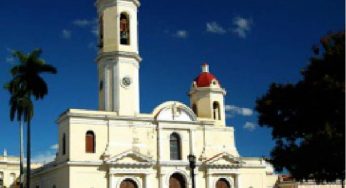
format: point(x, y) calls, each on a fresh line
point(114, 55)
point(100, 5)
point(207, 89)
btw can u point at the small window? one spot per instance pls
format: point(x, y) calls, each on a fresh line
point(124, 29)
point(175, 147)
point(90, 142)
point(63, 144)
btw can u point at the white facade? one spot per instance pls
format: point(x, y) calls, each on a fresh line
point(117, 146)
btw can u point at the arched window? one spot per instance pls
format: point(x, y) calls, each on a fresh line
point(222, 183)
point(90, 142)
point(216, 111)
point(124, 29)
point(175, 150)
point(128, 183)
point(194, 109)
point(63, 144)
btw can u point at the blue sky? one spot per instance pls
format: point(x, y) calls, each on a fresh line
point(247, 43)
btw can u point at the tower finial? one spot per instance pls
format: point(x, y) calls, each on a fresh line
point(205, 67)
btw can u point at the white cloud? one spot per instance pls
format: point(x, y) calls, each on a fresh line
point(181, 34)
point(66, 34)
point(92, 45)
point(249, 126)
point(83, 22)
point(54, 147)
point(88, 23)
point(95, 31)
point(213, 27)
point(241, 26)
point(235, 110)
point(45, 157)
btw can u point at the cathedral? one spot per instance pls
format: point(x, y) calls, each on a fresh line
point(175, 146)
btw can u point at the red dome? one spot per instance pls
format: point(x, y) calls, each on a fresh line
point(204, 79)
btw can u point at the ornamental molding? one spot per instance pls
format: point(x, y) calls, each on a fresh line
point(224, 160)
point(85, 163)
point(102, 4)
point(113, 56)
point(207, 89)
point(138, 160)
point(173, 163)
point(113, 171)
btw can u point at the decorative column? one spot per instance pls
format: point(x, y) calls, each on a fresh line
point(208, 179)
point(159, 145)
point(162, 181)
point(107, 88)
point(237, 181)
point(110, 180)
point(191, 142)
point(147, 182)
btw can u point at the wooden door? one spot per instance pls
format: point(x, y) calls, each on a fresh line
point(128, 184)
point(222, 183)
point(177, 181)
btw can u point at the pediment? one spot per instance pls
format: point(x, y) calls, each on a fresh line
point(130, 158)
point(224, 159)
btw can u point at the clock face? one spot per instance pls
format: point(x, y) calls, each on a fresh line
point(126, 81)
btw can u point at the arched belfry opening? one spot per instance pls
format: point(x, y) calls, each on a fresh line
point(194, 109)
point(124, 29)
point(216, 111)
point(100, 45)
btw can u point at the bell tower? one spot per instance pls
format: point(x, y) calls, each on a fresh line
point(118, 57)
point(207, 97)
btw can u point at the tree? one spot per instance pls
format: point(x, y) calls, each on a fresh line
point(27, 83)
point(308, 118)
point(20, 106)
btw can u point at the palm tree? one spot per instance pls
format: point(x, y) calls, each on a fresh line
point(27, 83)
point(20, 106)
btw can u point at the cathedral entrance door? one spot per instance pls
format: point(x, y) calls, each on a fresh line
point(128, 183)
point(177, 181)
point(222, 183)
